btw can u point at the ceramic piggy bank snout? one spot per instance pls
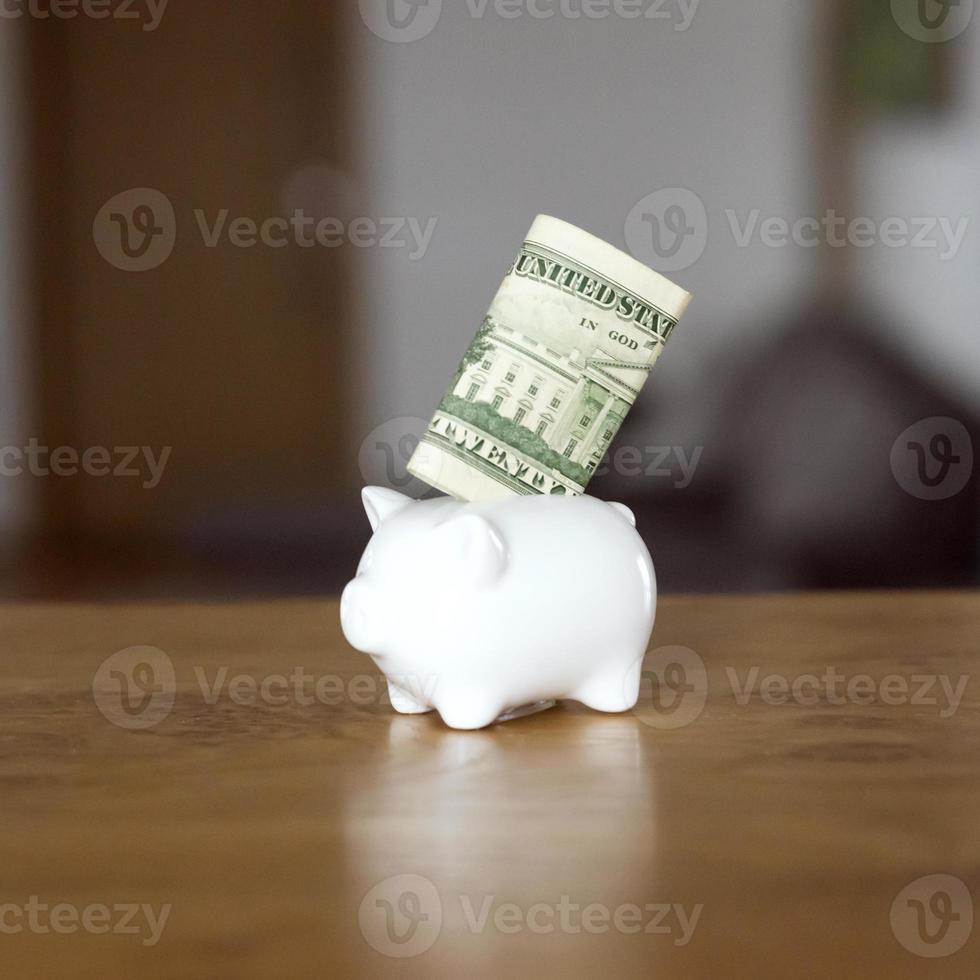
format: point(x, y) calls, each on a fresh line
point(475, 609)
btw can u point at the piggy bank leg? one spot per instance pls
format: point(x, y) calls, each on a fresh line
point(404, 703)
point(612, 691)
point(468, 709)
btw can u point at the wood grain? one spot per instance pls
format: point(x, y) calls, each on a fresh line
point(263, 825)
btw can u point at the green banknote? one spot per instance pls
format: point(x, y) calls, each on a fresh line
point(554, 368)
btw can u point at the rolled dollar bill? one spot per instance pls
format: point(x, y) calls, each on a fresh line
point(554, 368)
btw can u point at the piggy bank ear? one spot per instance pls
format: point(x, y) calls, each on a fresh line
point(380, 503)
point(625, 511)
point(473, 547)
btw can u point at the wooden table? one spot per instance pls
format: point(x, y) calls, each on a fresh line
point(756, 839)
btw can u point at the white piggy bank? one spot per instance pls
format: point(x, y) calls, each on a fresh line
point(477, 609)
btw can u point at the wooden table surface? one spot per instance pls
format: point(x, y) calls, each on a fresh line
point(314, 833)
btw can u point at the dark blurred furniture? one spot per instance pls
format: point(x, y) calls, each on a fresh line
point(237, 358)
point(795, 487)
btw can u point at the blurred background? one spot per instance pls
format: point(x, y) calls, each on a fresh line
point(244, 246)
